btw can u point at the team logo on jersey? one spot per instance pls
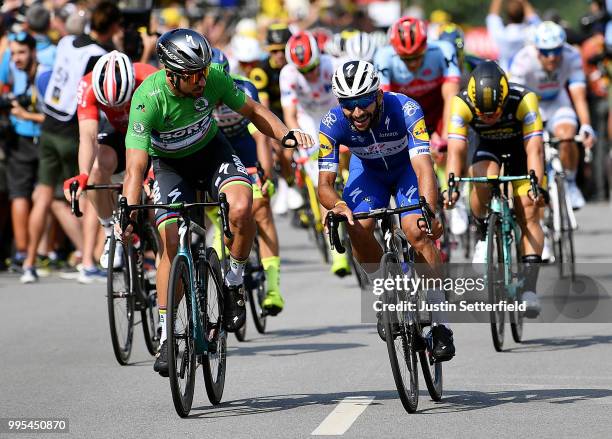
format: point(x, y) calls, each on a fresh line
point(141, 108)
point(410, 108)
point(387, 120)
point(200, 104)
point(326, 147)
point(420, 130)
point(457, 121)
point(329, 119)
point(138, 128)
point(530, 118)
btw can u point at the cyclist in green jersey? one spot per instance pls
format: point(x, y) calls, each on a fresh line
point(171, 121)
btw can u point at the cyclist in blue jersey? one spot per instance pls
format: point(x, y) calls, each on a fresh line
point(252, 147)
point(387, 136)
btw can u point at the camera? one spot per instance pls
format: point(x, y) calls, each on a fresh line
point(6, 101)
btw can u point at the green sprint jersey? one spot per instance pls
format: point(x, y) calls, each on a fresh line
point(166, 125)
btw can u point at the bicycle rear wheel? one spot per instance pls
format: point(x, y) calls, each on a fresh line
point(181, 349)
point(150, 313)
point(400, 346)
point(495, 279)
point(214, 361)
point(120, 304)
point(566, 241)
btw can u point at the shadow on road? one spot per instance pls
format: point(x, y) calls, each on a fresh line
point(295, 333)
point(291, 349)
point(277, 403)
point(460, 401)
point(558, 344)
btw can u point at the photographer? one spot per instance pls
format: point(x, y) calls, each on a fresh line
point(22, 148)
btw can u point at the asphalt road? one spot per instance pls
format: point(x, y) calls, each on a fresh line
point(318, 370)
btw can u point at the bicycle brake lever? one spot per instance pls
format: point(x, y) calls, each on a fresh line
point(74, 201)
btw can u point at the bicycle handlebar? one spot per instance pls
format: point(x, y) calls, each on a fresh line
point(74, 187)
point(333, 220)
point(180, 207)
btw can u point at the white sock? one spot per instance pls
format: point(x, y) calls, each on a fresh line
point(570, 175)
point(107, 224)
point(162, 322)
point(234, 276)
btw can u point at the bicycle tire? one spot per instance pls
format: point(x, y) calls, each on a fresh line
point(516, 317)
point(495, 260)
point(256, 290)
point(181, 362)
point(150, 314)
point(566, 242)
point(214, 361)
point(120, 304)
point(400, 347)
point(241, 333)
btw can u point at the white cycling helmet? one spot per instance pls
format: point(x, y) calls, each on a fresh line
point(360, 46)
point(333, 46)
point(113, 79)
point(379, 38)
point(355, 78)
point(245, 49)
point(549, 35)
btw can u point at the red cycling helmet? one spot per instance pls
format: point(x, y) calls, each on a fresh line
point(302, 51)
point(409, 36)
point(322, 36)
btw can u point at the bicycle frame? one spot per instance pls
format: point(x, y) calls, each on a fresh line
point(553, 164)
point(186, 226)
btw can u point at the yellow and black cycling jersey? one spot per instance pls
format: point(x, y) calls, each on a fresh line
point(520, 118)
point(265, 77)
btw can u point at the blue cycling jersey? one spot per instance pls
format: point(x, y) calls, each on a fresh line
point(399, 135)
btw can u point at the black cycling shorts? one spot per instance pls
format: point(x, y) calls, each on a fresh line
point(22, 166)
point(210, 169)
point(492, 151)
point(117, 142)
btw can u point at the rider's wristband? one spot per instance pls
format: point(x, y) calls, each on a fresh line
point(340, 202)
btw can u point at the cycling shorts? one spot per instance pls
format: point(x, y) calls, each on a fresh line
point(209, 169)
point(368, 189)
point(517, 163)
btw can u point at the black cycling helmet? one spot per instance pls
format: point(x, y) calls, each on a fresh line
point(184, 51)
point(488, 88)
point(277, 36)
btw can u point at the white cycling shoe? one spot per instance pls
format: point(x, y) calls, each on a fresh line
point(118, 257)
point(532, 303)
point(480, 253)
point(575, 195)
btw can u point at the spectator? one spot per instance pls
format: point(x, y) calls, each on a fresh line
point(38, 23)
point(512, 37)
point(76, 56)
point(22, 150)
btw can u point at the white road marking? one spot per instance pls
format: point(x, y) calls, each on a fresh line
point(343, 416)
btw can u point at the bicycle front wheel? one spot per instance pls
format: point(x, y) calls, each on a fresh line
point(256, 288)
point(566, 241)
point(179, 327)
point(216, 336)
point(120, 303)
point(402, 356)
point(495, 279)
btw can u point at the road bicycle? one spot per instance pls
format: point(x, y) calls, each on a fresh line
point(503, 249)
point(130, 289)
point(560, 219)
point(409, 337)
point(196, 334)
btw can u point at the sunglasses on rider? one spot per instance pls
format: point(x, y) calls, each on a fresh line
point(361, 102)
point(194, 78)
point(309, 69)
point(551, 52)
point(413, 57)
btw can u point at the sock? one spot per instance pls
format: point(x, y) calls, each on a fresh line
point(162, 322)
point(530, 269)
point(570, 175)
point(271, 266)
point(434, 297)
point(107, 224)
point(234, 276)
point(20, 256)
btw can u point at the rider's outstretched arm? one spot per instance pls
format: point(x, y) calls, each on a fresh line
point(263, 119)
point(426, 177)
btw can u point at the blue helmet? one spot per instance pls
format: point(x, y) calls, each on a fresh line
point(218, 57)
